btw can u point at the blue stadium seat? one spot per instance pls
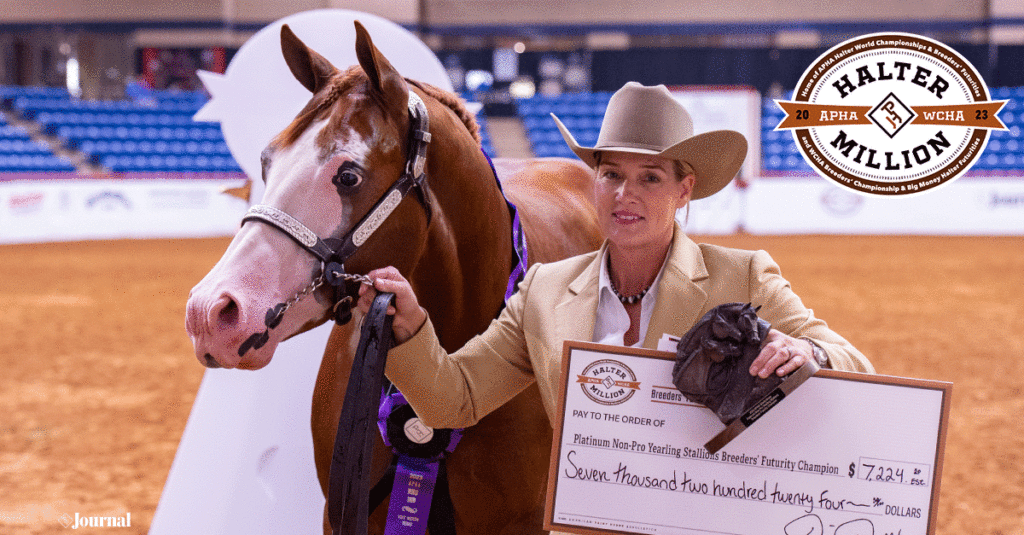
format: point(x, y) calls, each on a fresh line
point(1009, 161)
point(524, 108)
point(119, 134)
point(570, 121)
point(988, 161)
point(586, 137)
point(545, 150)
point(592, 122)
point(531, 122)
point(772, 163)
point(34, 163)
point(13, 132)
point(795, 163)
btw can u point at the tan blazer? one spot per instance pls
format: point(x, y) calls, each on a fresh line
point(558, 302)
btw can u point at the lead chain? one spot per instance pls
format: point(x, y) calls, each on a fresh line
point(316, 283)
point(310, 288)
point(349, 277)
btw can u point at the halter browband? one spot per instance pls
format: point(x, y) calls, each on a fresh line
point(333, 258)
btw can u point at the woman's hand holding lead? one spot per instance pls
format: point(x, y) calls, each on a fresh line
point(409, 315)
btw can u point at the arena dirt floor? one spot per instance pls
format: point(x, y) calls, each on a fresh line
point(98, 376)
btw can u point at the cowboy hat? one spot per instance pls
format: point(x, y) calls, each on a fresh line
point(648, 120)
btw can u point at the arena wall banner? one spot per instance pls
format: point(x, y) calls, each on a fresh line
point(65, 210)
point(970, 206)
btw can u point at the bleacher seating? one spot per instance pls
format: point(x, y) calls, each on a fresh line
point(158, 133)
point(10, 92)
point(580, 112)
point(20, 154)
point(153, 134)
point(485, 135)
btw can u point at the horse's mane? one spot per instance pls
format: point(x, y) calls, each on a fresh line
point(344, 81)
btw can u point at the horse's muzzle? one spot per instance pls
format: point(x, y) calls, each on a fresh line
point(209, 361)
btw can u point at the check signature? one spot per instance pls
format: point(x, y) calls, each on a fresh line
point(812, 525)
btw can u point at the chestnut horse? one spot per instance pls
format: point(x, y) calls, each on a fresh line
point(343, 151)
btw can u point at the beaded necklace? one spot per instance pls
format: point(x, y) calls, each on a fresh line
point(625, 299)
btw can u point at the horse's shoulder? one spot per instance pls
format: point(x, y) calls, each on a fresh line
point(556, 206)
point(558, 175)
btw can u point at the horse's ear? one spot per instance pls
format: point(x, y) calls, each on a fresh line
point(311, 69)
point(383, 76)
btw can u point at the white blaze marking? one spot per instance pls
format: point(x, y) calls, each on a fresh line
point(298, 175)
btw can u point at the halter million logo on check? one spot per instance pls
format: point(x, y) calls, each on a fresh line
point(608, 382)
point(891, 114)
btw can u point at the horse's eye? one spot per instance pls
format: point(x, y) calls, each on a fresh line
point(346, 178)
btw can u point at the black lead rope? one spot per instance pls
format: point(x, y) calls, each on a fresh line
point(348, 500)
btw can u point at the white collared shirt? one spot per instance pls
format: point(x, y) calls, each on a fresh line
point(612, 320)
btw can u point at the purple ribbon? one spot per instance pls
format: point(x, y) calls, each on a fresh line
point(388, 403)
point(411, 496)
point(519, 242)
point(415, 477)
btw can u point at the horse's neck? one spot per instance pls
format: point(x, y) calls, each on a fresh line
point(464, 270)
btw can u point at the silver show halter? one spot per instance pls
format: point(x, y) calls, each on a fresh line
point(333, 252)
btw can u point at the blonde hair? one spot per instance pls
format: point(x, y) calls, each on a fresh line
point(682, 169)
point(679, 167)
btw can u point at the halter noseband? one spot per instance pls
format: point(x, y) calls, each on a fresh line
point(333, 252)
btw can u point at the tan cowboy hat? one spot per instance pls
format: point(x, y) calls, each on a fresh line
point(648, 120)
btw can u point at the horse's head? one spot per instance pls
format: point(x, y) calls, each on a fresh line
point(324, 174)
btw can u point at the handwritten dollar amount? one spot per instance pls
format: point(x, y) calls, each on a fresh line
point(889, 471)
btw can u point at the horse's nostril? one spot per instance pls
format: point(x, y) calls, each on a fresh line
point(210, 362)
point(226, 312)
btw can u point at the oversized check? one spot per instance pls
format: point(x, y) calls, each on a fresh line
point(843, 454)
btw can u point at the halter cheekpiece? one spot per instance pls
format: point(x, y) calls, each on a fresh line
point(333, 252)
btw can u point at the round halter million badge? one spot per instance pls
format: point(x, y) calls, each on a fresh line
point(608, 382)
point(891, 114)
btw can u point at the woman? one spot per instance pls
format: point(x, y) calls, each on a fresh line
point(647, 279)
